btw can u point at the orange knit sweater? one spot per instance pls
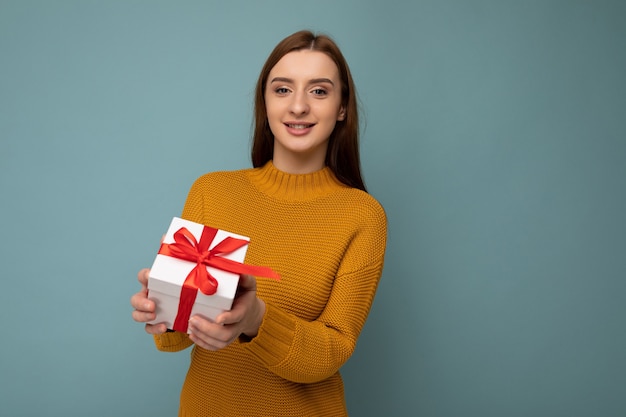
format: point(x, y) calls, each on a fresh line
point(327, 241)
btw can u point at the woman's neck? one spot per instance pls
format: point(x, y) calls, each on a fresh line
point(294, 163)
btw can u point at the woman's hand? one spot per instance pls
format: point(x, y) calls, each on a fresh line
point(245, 317)
point(144, 308)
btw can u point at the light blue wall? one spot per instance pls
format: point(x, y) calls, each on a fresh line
point(495, 139)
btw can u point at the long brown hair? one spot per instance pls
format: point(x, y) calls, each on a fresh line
point(342, 156)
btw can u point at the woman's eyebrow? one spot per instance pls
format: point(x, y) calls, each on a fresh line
point(313, 81)
point(321, 80)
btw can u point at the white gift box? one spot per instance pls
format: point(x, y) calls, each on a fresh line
point(168, 274)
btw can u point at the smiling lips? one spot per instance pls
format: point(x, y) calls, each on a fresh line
point(299, 128)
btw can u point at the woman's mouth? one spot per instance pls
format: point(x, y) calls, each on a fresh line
point(299, 126)
point(299, 129)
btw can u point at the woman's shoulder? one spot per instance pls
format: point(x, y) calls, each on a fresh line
point(364, 203)
point(218, 177)
point(362, 197)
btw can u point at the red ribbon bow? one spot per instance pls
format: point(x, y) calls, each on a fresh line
point(187, 248)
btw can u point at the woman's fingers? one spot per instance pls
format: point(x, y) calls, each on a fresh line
point(144, 308)
point(210, 335)
point(142, 277)
point(156, 328)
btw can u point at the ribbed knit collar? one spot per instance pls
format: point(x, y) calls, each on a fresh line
point(294, 187)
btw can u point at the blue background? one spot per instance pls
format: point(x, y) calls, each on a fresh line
point(494, 136)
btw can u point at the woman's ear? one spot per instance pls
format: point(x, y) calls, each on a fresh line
point(342, 114)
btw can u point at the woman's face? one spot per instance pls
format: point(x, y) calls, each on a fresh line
point(303, 104)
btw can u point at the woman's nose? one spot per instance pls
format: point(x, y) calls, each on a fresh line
point(299, 104)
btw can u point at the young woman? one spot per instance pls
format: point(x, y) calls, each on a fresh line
point(304, 206)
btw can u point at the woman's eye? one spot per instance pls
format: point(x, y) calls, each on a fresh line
point(319, 92)
point(281, 90)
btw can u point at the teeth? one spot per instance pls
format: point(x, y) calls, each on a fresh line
point(298, 126)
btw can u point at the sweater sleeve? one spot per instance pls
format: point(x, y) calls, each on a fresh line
point(172, 341)
point(310, 351)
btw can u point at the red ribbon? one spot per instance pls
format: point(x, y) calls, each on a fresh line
point(187, 248)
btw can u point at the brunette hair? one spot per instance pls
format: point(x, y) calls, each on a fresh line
point(342, 156)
